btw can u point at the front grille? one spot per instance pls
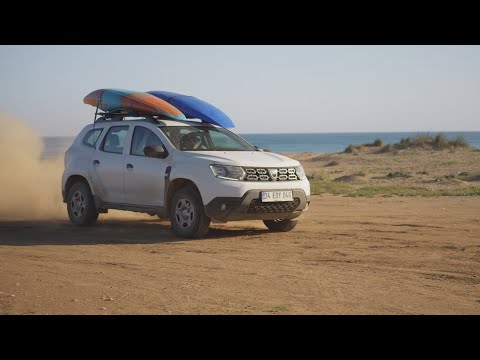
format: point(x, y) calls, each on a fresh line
point(259, 207)
point(268, 174)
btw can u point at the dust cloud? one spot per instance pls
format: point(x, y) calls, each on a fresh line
point(30, 188)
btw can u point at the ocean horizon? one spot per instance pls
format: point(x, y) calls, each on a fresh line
point(299, 142)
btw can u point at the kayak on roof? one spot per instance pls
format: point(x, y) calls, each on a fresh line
point(194, 108)
point(132, 102)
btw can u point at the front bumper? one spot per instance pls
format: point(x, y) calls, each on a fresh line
point(250, 207)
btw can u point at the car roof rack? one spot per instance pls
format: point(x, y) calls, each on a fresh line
point(120, 116)
point(153, 118)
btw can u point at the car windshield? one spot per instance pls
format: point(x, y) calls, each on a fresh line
point(205, 138)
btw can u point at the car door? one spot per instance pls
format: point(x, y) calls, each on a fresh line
point(107, 165)
point(144, 177)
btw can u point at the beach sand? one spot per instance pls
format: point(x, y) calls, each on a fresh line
point(346, 256)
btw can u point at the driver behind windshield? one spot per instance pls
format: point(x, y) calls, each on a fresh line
point(193, 141)
point(205, 138)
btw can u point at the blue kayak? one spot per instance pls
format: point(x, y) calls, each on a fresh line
point(194, 108)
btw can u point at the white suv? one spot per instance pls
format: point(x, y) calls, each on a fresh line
point(194, 173)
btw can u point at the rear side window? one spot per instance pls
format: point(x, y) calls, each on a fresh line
point(91, 137)
point(115, 139)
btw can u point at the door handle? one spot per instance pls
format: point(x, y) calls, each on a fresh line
point(96, 162)
point(129, 166)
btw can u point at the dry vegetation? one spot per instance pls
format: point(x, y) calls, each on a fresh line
point(419, 166)
point(439, 142)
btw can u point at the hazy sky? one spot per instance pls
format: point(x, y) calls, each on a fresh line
point(262, 88)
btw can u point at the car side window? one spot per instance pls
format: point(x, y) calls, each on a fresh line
point(143, 137)
point(115, 139)
point(90, 139)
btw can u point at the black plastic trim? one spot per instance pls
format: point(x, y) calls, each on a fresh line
point(237, 207)
point(166, 185)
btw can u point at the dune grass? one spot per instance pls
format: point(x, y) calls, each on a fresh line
point(318, 187)
point(398, 190)
point(438, 142)
point(322, 184)
point(398, 174)
point(332, 163)
point(352, 149)
point(450, 162)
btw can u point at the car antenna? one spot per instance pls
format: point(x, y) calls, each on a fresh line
point(94, 120)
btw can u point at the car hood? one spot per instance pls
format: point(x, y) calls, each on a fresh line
point(242, 158)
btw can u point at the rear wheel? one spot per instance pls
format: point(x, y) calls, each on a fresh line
point(80, 205)
point(187, 215)
point(280, 224)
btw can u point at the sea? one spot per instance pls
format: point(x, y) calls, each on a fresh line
point(298, 143)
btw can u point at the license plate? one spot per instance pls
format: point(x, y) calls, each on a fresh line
point(272, 196)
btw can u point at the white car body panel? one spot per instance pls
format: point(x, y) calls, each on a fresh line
point(144, 185)
point(108, 175)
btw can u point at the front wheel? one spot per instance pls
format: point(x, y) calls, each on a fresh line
point(187, 215)
point(280, 224)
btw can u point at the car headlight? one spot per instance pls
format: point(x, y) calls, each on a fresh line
point(228, 172)
point(300, 172)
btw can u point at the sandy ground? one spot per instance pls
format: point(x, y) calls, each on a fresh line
point(346, 256)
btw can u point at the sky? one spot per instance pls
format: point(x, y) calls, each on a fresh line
point(264, 89)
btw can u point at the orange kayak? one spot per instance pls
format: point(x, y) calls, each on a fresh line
point(133, 102)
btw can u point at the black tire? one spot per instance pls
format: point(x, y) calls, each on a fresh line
point(280, 224)
point(187, 215)
point(80, 205)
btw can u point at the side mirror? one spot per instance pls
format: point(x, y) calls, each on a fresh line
point(155, 151)
point(261, 149)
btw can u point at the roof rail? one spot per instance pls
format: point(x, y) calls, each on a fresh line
point(120, 116)
point(153, 118)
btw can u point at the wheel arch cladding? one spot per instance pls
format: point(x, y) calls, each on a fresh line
point(72, 180)
point(176, 184)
